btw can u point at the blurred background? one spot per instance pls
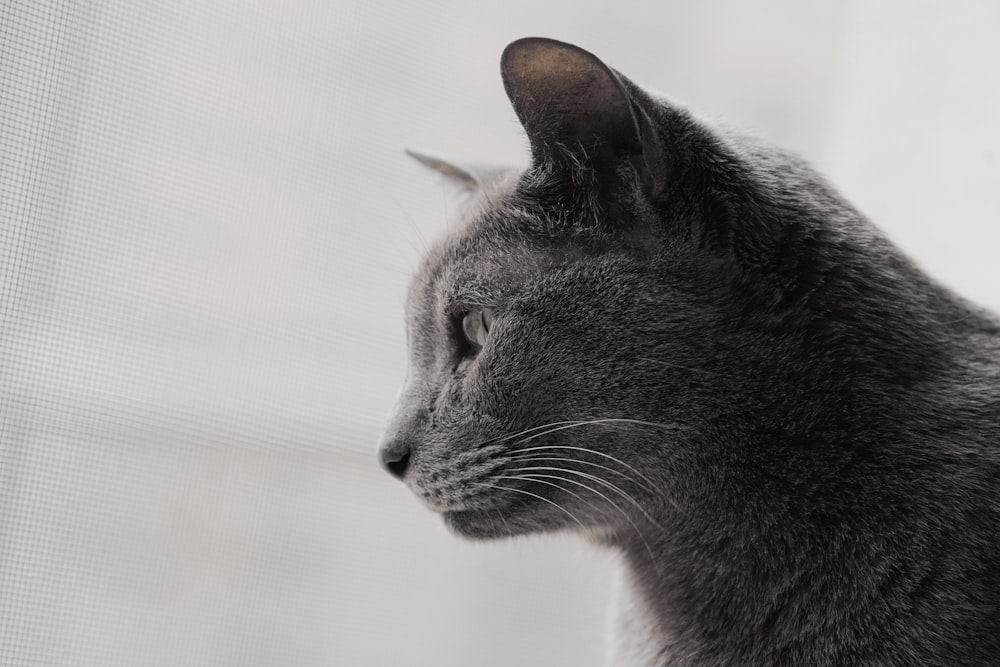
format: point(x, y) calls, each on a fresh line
point(206, 232)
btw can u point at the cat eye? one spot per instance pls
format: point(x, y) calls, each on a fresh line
point(476, 324)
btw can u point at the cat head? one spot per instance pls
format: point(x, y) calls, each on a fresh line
point(611, 315)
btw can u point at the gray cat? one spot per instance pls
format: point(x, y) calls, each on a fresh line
point(684, 344)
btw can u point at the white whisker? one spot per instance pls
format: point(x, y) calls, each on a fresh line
point(538, 457)
point(589, 451)
point(594, 422)
point(533, 495)
point(551, 427)
point(505, 438)
point(599, 480)
point(535, 477)
point(510, 533)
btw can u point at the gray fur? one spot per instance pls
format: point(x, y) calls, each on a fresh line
point(805, 428)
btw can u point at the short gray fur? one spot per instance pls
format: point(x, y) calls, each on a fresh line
point(789, 432)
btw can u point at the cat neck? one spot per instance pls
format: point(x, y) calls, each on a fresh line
point(729, 600)
point(749, 576)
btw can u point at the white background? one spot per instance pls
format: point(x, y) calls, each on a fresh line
point(206, 230)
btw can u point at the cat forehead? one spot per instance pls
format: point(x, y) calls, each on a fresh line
point(501, 246)
point(470, 265)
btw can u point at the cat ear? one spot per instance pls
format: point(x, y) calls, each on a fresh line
point(465, 175)
point(573, 105)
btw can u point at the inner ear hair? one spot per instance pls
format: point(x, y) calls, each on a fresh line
point(566, 98)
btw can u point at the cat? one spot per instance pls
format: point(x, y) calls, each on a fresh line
point(683, 344)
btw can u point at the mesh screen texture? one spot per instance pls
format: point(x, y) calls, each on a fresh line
point(206, 233)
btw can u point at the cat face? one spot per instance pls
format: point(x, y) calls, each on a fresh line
point(573, 348)
point(532, 375)
point(534, 368)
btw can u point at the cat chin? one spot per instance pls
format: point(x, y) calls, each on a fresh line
point(477, 524)
point(492, 524)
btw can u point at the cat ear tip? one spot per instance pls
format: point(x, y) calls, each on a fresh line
point(530, 46)
point(421, 156)
point(535, 41)
point(525, 42)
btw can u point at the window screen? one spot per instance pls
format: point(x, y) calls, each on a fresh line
point(206, 232)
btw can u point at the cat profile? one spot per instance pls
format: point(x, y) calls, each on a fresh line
point(684, 345)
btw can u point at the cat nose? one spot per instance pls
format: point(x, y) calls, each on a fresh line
point(395, 449)
point(395, 458)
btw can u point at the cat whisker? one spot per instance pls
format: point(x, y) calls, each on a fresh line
point(539, 456)
point(537, 478)
point(588, 451)
point(505, 438)
point(510, 533)
point(411, 234)
point(569, 423)
point(533, 495)
point(489, 447)
point(594, 478)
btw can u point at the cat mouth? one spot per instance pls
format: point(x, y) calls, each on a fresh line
point(473, 504)
point(488, 516)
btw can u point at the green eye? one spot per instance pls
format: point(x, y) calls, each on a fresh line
point(476, 325)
